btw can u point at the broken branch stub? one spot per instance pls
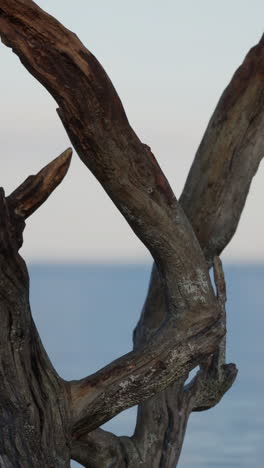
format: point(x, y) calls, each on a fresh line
point(35, 190)
point(32, 193)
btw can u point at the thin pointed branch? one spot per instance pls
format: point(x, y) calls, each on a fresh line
point(217, 360)
point(219, 278)
point(35, 190)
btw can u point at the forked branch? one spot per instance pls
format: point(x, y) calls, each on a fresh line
point(94, 118)
point(182, 323)
point(213, 199)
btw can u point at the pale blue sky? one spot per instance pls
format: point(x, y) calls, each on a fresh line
point(169, 62)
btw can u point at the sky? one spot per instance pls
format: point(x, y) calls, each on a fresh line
point(170, 62)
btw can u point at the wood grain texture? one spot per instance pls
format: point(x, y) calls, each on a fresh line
point(94, 118)
point(35, 190)
point(33, 399)
point(213, 199)
point(182, 323)
point(228, 157)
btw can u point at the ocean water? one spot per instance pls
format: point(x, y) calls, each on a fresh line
point(86, 313)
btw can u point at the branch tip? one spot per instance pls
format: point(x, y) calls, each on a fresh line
point(35, 190)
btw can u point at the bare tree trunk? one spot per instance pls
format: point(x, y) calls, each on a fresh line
point(46, 421)
point(34, 414)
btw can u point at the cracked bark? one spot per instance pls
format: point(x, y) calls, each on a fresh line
point(182, 322)
point(223, 168)
point(33, 399)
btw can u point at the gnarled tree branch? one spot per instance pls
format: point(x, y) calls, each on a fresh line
point(34, 400)
point(97, 125)
point(228, 157)
point(221, 174)
point(35, 190)
point(182, 322)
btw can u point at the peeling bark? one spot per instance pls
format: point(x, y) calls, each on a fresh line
point(45, 420)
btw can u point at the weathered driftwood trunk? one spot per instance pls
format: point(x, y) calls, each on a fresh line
point(45, 421)
point(34, 425)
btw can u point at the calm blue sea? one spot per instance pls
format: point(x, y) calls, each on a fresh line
point(86, 313)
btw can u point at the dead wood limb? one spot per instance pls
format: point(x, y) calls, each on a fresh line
point(34, 401)
point(95, 121)
point(35, 190)
point(180, 323)
point(213, 199)
point(30, 195)
point(228, 157)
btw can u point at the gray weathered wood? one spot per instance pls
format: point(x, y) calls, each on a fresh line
point(182, 322)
